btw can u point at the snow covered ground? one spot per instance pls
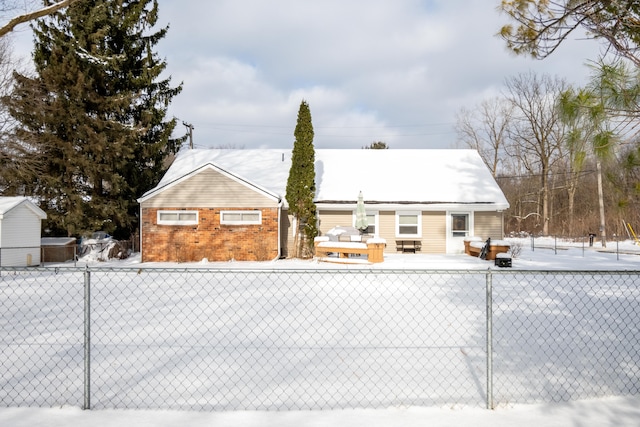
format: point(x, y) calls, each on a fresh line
point(547, 255)
point(618, 412)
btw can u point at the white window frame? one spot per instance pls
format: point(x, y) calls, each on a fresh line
point(178, 221)
point(418, 215)
point(241, 221)
point(375, 220)
point(468, 230)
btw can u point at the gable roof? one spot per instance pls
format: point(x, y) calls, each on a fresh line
point(9, 203)
point(254, 168)
point(401, 176)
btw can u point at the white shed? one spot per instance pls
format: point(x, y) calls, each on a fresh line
point(20, 224)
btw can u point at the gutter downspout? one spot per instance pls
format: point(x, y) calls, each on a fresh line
point(279, 254)
point(140, 231)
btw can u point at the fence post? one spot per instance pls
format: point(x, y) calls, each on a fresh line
point(489, 299)
point(87, 339)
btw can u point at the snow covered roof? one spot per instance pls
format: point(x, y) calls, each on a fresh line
point(9, 203)
point(57, 241)
point(402, 176)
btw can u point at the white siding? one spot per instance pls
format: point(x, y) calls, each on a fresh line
point(20, 237)
point(210, 189)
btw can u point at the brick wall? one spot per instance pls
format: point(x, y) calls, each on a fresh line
point(209, 239)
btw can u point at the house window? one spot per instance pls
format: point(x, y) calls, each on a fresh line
point(177, 217)
point(460, 225)
point(241, 217)
point(372, 219)
point(371, 224)
point(408, 224)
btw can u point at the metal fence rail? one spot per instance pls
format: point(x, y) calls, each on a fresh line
point(197, 339)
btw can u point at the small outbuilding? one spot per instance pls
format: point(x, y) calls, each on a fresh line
point(58, 249)
point(20, 225)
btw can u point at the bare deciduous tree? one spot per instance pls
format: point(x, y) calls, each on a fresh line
point(485, 129)
point(28, 15)
point(537, 130)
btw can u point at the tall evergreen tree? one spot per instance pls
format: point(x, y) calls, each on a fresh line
point(301, 186)
point(94, 114)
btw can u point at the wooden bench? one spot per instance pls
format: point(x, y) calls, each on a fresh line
point(468, 249)
point(408, 245)
point(373, 249)
point(475, 248)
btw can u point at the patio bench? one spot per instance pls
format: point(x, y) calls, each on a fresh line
point(409, 245)
point(373, 249)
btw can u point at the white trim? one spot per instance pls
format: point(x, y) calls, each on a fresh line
point(11, 202)
point(469, 229)
point(417, 214)
point(452, 245)
point(155, 191)
point(279, 240)
point(241, 221)
point(177, 221)
point(369, 212)
point(424, 207)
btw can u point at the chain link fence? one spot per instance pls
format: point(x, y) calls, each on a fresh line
point(195, 339)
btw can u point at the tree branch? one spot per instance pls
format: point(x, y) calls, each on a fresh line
point(21, 19)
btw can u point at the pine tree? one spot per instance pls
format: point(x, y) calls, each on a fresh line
point(94, 114)
point(301, 187)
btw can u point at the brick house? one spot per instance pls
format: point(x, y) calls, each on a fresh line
point(230, 204)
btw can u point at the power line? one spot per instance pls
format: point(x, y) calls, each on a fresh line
point(249, 125)
point(550, 174)
point(287, 130)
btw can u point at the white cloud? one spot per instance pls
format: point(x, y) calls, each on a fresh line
point(370, 70)
point(395, 71)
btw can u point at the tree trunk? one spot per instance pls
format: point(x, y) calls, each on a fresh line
point(296, 237)
point(545, 202)
point(571, 191)
point(603, 233)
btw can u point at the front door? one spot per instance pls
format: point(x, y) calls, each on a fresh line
point(459, 228)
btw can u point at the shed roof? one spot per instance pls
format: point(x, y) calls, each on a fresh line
point(9, 203)
point(402, 176)
point(57, 241)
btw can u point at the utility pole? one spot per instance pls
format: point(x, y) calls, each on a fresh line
point(190, 129)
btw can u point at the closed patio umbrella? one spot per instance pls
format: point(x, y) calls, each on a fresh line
point(361, 214)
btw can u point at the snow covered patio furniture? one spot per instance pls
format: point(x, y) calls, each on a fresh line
point(467, 244)
point(411, 246)
point(373, 249)
point(493, 248)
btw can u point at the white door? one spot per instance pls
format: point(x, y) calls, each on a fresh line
point(459, 228)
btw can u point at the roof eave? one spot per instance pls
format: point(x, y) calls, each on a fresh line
point(155, 191)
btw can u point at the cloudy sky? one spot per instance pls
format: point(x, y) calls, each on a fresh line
point(371, 70)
